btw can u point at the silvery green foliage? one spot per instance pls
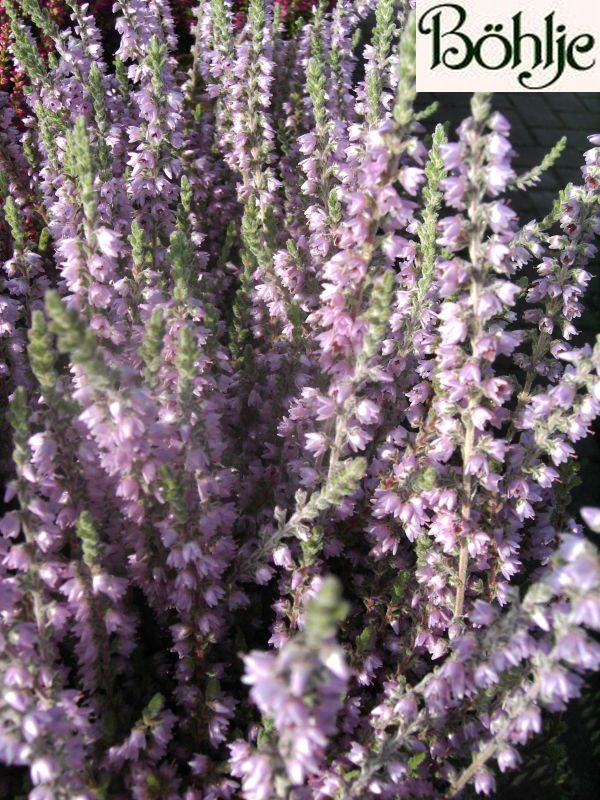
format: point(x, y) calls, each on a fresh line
point(261, 327)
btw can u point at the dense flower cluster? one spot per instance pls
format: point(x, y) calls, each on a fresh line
point(13, 79)
point(293, 398)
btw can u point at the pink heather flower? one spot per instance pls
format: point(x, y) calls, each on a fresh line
point(501, 217)
point(587, 612)
point(482, 613)
point(498, 177)
point(367, 412)
point(254, 769)
point(316, 443)
point(411, 178)
point(454, 331)
point(484, 782)
point(591, 517)
point(579, 650)
point(452, 153)
point(451, 230)
point(508, 758)
point(10, 525)
point(44, 770)
point(454, 189)
point(108, 242)
point(357, 439)
point(497, 253)
point(499, 146)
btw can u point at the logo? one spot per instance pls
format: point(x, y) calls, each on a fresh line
point(508, 45)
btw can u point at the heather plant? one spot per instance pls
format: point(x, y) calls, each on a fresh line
point(13, 79)
point(293, 397)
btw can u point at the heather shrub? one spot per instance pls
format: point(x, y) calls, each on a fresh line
point(13, 79)
point(293, 397)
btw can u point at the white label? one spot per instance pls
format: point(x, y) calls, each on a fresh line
point(508, 45)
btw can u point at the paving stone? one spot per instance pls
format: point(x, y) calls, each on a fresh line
point(549, 136)
point(502, 101)
point(520, 135)
point(589, 98)
point(546, 116)
point(579, 119)
point(572, 157)
point(592, 103)
point(563, 101)
point(543, 200)
point(568, 175)
point(528, 103)
point(510, 98)
point(529, 156)
point(577, 139)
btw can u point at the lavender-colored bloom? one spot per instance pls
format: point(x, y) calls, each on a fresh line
point(286, 339)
